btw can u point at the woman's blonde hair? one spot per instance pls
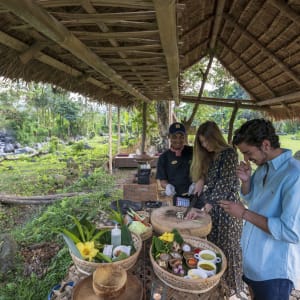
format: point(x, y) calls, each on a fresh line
point(201, 157)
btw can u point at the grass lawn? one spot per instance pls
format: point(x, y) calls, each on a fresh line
point(287, 142)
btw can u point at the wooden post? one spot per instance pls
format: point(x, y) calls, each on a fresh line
point(119, 131)
point(110, 138)
point(144, 127)
point(231, 122)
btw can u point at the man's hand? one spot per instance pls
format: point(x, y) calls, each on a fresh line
point(170, 190)
point(234, 209)
point(243, 171)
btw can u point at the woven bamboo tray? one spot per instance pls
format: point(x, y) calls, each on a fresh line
point(87, 268)
point(195, 286)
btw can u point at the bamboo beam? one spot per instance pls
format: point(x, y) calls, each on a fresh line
point(277, 100)
point(30, 12)
point(109, 3)
point(266, 51)
point(166, 20)
point(217, 23)
point(90, 35)
point(194, 98)
point(32, 52)
point(111, 17)
point(224, 104)
point(134, 60)
point(91, 10)
point(15, 44)
point(127, 48)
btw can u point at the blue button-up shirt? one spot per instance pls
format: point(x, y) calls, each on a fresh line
point(275, 255)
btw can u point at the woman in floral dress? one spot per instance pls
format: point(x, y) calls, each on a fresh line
point(213, 170)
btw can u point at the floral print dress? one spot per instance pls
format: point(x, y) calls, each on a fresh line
point(222, 183)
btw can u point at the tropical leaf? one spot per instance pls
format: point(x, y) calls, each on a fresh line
point(99, 234)
point(80, 228)
point(104, 257)
point(71, 245)
point(71, 235)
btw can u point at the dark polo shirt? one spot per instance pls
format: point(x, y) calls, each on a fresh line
point(176, 169)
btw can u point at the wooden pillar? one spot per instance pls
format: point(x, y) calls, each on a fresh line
point(144, 127)
point(231, 122)
point(119, 131)
point(110, 138)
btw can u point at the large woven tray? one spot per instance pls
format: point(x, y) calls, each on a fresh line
point(87, 268)
point(195, 286)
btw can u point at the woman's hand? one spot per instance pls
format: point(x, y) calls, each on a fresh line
point(243, 171)
point(207, 208)
point(199, 187)
point(194, 213)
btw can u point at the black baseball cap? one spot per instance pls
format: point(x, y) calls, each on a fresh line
point(176, 128)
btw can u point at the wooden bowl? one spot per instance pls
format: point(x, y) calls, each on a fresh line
point(109, 281)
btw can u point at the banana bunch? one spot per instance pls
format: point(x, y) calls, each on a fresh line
point(167, 237)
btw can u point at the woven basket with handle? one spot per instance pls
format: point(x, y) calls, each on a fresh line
point(195, 286)
point(87, 268)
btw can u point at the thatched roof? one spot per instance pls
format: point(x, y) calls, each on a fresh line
point(124, 51)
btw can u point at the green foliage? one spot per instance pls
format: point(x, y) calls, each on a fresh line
point(78, 147)
point(54, 141)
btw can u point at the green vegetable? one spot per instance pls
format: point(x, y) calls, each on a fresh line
point(177, 237)
point(137, 227)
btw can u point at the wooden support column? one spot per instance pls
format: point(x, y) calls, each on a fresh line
point(119, 131)
point(231, 122)
point(144, 127)
point(110, 138)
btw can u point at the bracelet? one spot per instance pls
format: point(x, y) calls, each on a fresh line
point(243, 214)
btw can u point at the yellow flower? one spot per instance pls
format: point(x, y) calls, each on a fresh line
point(87, 250)
point(167, 237)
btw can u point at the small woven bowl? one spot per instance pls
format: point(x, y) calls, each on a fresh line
point(109, 281)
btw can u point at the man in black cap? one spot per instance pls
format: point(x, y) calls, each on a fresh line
point(173, 166)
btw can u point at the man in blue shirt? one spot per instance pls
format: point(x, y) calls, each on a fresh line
point(271, 233)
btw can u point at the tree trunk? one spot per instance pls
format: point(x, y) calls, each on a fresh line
point(45, 199)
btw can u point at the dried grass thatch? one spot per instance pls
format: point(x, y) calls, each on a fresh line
point(124, 51)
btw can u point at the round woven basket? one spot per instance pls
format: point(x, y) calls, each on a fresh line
point(87, 268)
point(144, 214)
point(147, 234)
point(195, 286)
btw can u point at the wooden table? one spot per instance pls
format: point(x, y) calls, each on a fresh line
point(164, 219)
